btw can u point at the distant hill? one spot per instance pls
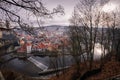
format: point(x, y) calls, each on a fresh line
point(58, 28)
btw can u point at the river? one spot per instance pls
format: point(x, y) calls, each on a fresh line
point(29, 68)
point(26, 67)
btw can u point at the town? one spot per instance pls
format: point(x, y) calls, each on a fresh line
point(59, 40)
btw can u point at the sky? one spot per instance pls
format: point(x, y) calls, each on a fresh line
point(60, 19)
point(69, 7)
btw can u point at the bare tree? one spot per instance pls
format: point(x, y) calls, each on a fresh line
point(84, 33)
point(111, 22)
point(18, 12)
point(15, 10)
point(89, 13)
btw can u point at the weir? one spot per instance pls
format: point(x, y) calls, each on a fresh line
point(38, 64)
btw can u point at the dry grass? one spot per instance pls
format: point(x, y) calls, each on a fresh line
point(111, 68)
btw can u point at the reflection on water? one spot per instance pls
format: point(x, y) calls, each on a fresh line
point(99, 51)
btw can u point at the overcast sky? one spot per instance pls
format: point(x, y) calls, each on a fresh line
point(58, 19)
point(68, 6)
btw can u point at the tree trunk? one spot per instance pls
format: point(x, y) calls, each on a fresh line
point(1, 76)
